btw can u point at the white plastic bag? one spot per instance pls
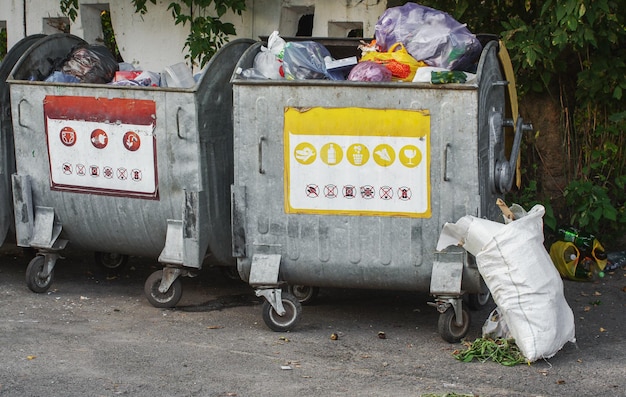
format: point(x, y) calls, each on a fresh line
point(522, 279)
point(495, 327)
point(269, 61)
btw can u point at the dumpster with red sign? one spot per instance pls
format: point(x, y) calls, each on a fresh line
point(132, 170)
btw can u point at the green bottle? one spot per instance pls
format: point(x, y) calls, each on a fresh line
point(584, 242)
point(582, 273)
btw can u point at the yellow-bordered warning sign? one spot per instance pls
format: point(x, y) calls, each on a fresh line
point(357, 161)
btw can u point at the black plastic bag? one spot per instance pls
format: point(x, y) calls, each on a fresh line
point(91, 64)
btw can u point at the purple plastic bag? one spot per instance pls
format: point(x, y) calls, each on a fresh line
point(369, 71)
point(429, 35)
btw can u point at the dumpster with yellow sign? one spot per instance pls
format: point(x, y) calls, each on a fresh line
point(348, 184)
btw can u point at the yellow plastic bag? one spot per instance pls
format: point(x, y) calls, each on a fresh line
point(565, 256)
point(401, 64)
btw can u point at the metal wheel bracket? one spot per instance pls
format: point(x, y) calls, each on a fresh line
point(170, 274)
point(50, 259)
point(264, 271)
point(447, 272)
point(274, 298)
point(443, 303)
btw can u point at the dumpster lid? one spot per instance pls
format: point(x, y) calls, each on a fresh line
point(41, 58)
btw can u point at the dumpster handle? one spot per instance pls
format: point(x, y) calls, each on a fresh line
point(261, 169)
point(178, 123)
point(446, 178)
point(19, 112)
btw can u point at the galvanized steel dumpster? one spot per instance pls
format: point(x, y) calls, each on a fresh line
point(348, 184)
point(142, 171)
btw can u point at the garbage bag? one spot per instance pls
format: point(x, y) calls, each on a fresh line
point(303, 60)
point(429, 35)
point(91, 64)
point(369, 71)
point(524, 283)
point(269, 61)
point(401, 64)
point(565, 256)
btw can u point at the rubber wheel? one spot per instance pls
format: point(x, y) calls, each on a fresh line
point(304, 294)
point(34, 280)
point(478, 301)
point(158, 299)
point(111, 261)
point(448, 330)
point(286, 322)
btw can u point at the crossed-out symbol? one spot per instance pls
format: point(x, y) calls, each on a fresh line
point(122, 174)
point(404, 193)
point(136, 175)
point(386, 192)
point(312, 191)
point(348, 191)
point(330, 191)
point(367, 192)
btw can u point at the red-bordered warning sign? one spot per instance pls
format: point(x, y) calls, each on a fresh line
point(102, 145)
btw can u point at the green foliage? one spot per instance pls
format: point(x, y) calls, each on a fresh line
point(109, 35)
point(575, 52)
point(3, 43)
point(69, 8)
point(207, 33)
point(502, 351)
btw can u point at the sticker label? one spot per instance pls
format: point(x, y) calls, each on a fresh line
point(357, 161)
point(100, 145)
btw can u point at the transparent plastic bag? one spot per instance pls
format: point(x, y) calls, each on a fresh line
point(304, 60)
point(429, 35)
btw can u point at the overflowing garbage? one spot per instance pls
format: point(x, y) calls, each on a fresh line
point(412, 43)
point(95, 64)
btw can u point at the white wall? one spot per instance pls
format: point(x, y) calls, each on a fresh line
point(152, 41)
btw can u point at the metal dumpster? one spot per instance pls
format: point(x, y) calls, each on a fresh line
point(348, 184)
point(7, 158)
point(142, 171)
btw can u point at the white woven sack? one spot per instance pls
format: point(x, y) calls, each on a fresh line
point(527, 287)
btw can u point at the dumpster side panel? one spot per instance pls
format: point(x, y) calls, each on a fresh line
point(382, 250)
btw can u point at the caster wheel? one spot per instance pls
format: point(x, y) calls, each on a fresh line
point(286, 322)
point(449, 330)
point(34, 279)
point(158, 299)
point(110, 261)
point(478, 301)
point(304, 294)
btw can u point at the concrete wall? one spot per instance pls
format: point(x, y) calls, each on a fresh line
point(152, 41)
